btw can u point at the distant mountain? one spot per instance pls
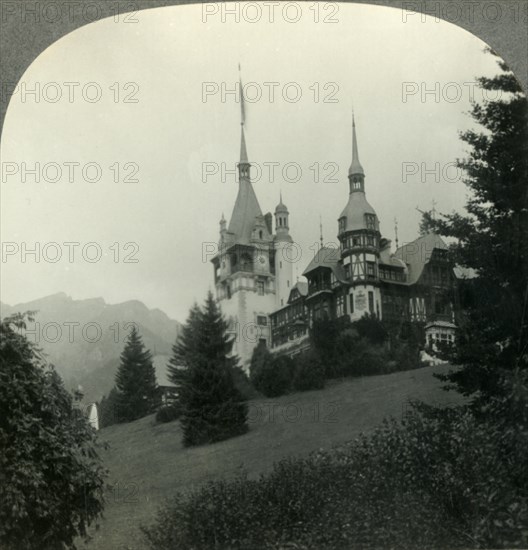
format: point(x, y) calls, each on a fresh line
point(84, 338)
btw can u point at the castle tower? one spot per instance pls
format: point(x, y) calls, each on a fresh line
point(244, 281)
point(359, 236)
point(284, 255)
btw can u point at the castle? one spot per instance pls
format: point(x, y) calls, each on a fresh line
point(254, 280)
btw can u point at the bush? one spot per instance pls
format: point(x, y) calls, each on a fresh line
point(371, 328)
point(309, 372)
point(407, 357)
point(440, 479)
point(271, 376)
point(168, 413)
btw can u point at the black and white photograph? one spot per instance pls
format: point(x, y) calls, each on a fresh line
point(264, 275)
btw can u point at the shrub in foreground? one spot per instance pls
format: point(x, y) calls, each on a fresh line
point(425, 483)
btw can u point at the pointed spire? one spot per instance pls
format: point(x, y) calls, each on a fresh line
point(243, 148)
point(355, 167)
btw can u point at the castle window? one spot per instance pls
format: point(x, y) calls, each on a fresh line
point(351, 302)
point(370, 240)
point(260, 234)
point(347, 271)
point(342, 225)
point(370, 220)
point(370, 270)
point(262, 320)
point(260, 288)
point(356, 241)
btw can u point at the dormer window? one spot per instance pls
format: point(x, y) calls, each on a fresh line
point(370, 220)
point(342, 224)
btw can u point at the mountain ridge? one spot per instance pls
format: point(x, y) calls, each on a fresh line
point(83, 339)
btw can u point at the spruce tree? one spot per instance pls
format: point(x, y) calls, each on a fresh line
point(187, 346)
point(202, 368)
point(492, 341)
point(136, 381)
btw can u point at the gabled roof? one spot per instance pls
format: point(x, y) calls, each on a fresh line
point(387, 258)
point(301, 287)
point(417, 254)
point(327, 258)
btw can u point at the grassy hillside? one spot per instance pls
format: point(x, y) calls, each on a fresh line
point(147, 462)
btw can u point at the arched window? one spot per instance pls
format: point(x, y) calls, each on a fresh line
point(260, 234)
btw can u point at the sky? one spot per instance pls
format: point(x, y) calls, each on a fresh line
point(117, 102)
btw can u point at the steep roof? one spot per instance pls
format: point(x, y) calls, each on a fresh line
point(301, 287)
point(355, 167)
point(387, 258)
point(417, 254)
point(329, 258)
point(246, 208)
point(355, 210)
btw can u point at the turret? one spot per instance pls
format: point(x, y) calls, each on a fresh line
point(359, 236)
point(284, 255)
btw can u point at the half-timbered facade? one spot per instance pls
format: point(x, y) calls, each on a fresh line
point(415, 283)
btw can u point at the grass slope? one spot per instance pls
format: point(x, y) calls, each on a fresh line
point(148, 464)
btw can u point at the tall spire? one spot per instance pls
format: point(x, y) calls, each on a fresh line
point(243, 148)
point(247, 208)
point(355, 167)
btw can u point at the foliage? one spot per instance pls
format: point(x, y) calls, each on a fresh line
point(108, 408)
point(492, 239)
point(371, 328)
point(202, 368)
point(272, 376)
point(309, 373)
point(323, 337)
point(51, 477)
point(168, 413)
point(438, 479)
point(427, 223)
point(139, 394)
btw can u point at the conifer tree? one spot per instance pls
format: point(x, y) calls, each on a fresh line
point(136, 380)
point(492, 341)
point(202, 368)
point(186, 347)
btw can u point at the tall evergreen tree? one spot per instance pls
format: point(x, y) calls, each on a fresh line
point(202, 368)
point(186, 348)
point(139, 394)
point(492, 238)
